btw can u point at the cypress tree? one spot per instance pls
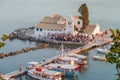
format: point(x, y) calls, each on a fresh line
point(83, 10)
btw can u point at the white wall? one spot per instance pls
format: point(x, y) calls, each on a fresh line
point(79, 26)
point(44, 33)
point(97, 30)
point(69, 27)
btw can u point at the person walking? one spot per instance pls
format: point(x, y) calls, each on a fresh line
point(44, 59)
point(20, 67)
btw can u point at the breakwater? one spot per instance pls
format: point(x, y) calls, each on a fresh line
point(24, 50)
point(22, 34)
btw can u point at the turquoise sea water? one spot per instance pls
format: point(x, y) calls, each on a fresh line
point(25, 13)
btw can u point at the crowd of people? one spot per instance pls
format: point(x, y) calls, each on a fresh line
point(81, 38)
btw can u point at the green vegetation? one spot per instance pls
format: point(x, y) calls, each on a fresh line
point(83, 10)
point(2, 43)
point(4, 38)
point(1, 78)
point(114, 56)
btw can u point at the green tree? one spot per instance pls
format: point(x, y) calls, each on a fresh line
point(114, 55)
point(4, 38)
point(83, 10)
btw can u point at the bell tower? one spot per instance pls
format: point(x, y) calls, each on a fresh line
point(70, 24)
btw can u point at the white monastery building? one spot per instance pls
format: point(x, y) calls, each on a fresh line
point(57, 24)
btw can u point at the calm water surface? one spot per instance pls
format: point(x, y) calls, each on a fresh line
point(25, 13)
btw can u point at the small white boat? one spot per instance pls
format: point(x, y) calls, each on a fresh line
point(103, 51)
point(33, 63)
point(41, 73)
point(82, 57)
point(102, 58)
point(69, 59)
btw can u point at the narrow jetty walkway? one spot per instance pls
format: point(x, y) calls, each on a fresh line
point(12, 75)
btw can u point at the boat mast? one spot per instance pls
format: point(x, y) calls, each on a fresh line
point(62, 49)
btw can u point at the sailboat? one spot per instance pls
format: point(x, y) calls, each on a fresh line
point(68, 68)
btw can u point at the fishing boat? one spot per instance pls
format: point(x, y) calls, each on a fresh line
point(102, 58)
point(103, 50)
point(69, 59)
point(67, 69)
point(82, 57)
point(41, 73)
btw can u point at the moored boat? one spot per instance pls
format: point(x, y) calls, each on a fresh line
point(41, 73)
point(82, 57)
point(103, 50)
point(69, 59)
point(67, 69)
point(102, 58)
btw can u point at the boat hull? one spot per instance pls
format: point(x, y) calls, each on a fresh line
point(103, 51)
point(67, 73)
point(99, 58)
point(35, 76)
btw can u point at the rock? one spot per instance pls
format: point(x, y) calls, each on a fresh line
point(27, 49)
point(2, 55)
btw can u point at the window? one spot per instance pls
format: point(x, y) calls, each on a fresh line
point(59, 29)
point(37, 29)
point(78, 22)
point(69, 23)
point(40, 29)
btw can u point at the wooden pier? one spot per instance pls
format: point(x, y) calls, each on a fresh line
point(14, 74)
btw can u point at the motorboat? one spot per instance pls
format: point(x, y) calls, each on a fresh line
point(41, 73)
point(67, 69)
point(82, 57)
point(69, 59)
point(103, 50)
point(102, 58)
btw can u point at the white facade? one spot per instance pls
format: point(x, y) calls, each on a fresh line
point(97, 30)
point(69, 22)
point(45, 32)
